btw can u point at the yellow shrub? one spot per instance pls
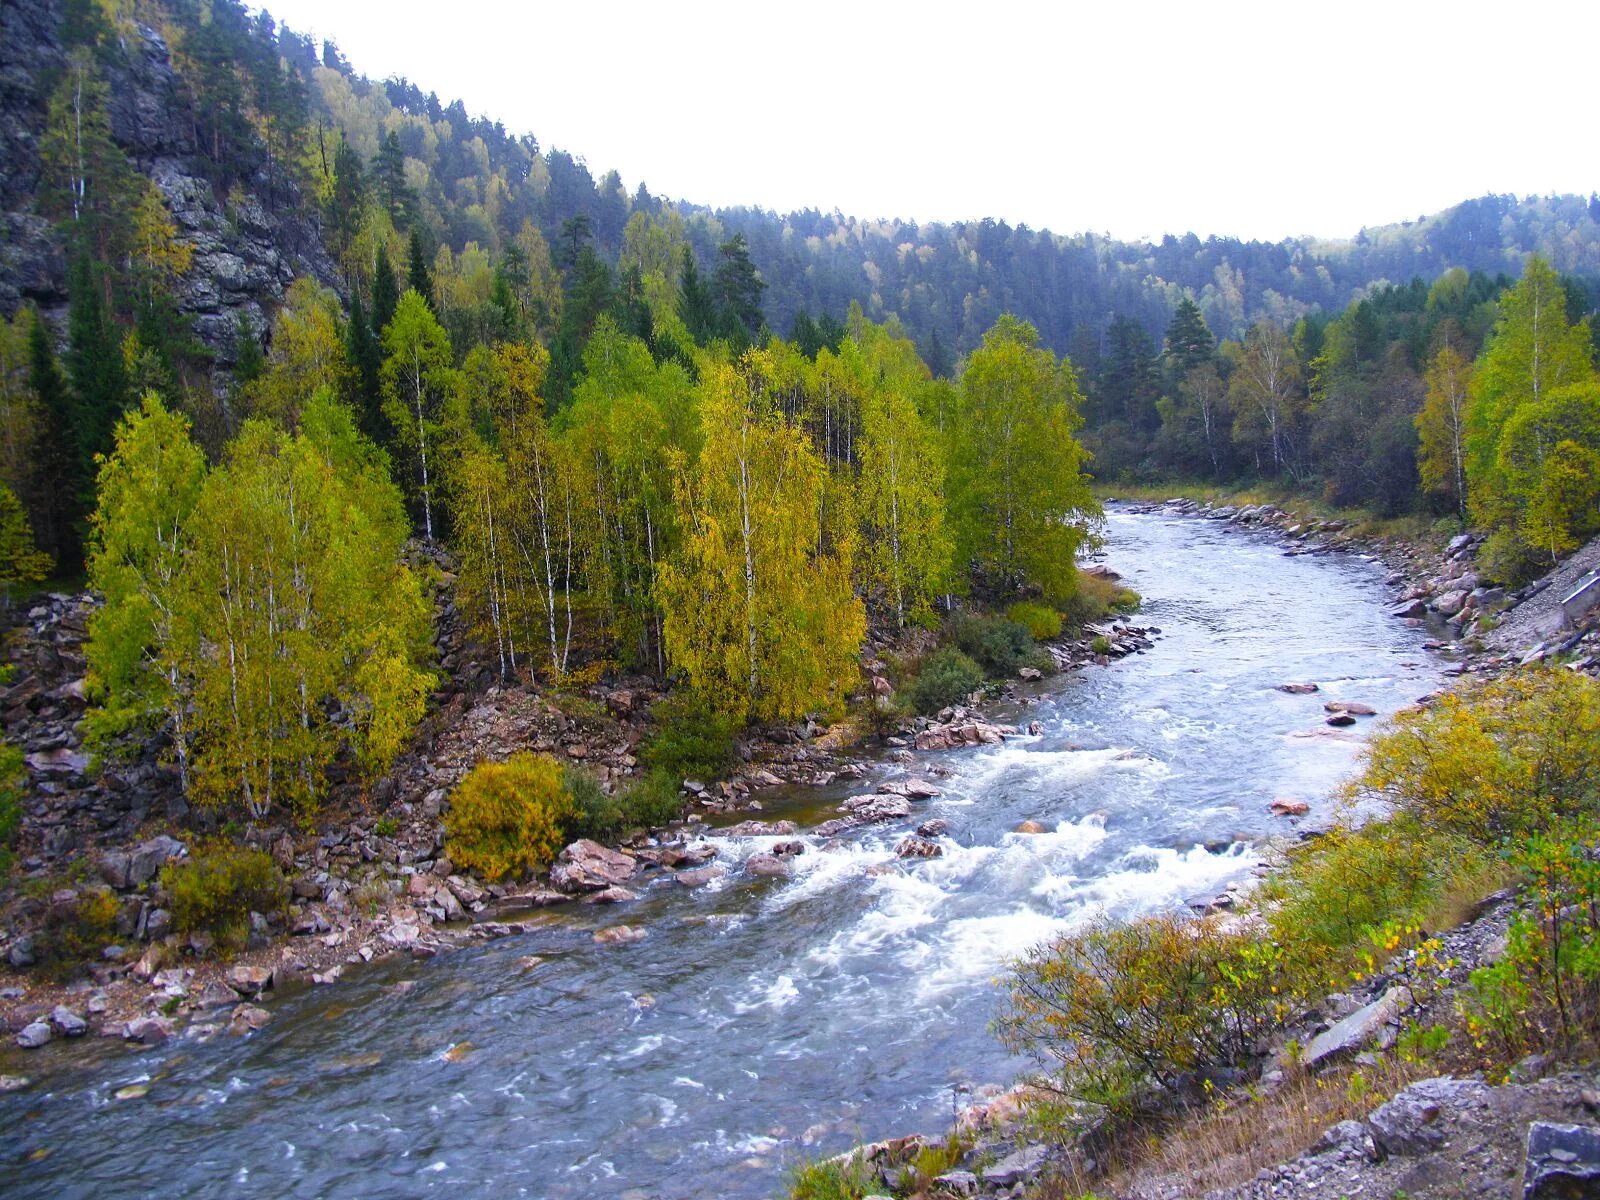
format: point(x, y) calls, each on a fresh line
point(218, 886)
point(508, 817)
point(1042, 621)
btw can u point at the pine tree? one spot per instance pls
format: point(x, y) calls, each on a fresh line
point(385, 293)
point(364, 382)
point(1189, 341)
point(418, 277)
point(696, 306)
point(95, 365)
point(738, 289)
point(58, 467)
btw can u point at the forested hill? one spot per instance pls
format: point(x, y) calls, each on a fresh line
point(241, 123)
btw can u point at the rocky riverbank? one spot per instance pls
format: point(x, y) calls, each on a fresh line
point(374, 880)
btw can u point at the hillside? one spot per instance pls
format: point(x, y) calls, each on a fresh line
point(257, 195)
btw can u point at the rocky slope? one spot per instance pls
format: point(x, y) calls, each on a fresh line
point(246, 251)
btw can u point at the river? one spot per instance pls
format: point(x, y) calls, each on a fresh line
point(761, 1020)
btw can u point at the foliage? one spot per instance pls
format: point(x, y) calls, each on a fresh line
point(647, 803)
point(216, 887)
point(1021, 500)
point(76, 930)
point(21, 562)
point(1117, 1010)
point(508, 818)
point(945, 677)
point(1095, 599)
point(758, 614)
point(13, 778)
point(688, 741)
point(999, 645)
point(1508, 758)
point(251, 603)
point(849, 1178)
point(1040, 620)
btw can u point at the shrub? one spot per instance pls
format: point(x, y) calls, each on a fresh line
point(946, 677)
point(1040, 620)
point(508, 817)
point(216, 888)
point(1340, 894)
point(1506, 559)
point(833, 1179)
point(1101, 645)
point(689, 741)
point(1095, 599)
point(12, 778)
point(999, 646)
point(649, 803)
point(1509, 758)
point(1122, 1012)
point(77, 929)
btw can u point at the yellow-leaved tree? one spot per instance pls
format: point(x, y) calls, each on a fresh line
point(757, 614)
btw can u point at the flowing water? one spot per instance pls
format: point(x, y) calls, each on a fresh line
point(764, 1019)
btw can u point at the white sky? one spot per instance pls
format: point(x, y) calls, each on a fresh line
point(1134, 119)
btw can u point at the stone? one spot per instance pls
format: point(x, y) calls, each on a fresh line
point(148, 1031)
point(157, 924)
point(1406, 1125)
point(587, 866)
point(247, 1018)
point(1448, 604)
point(620, 933)
point(216, 995)
point(1338, 720)
point(1360, 1027)
point(766, 864)
point(1030, 674)
point(700, 876)
point(35, 1034)
point(249, 980)
point(911, 789)
point(610, 895)
point(1345, 1133)
point(1284, 807)
point(1352, 707)
point(933, 828)
point(1410, 609)
point(68, 1023)
point(1030, 827)
point(1298, 689)
point(22, 952)
point(1562, 1162)
point(146, 859)
point(1016, 1167)
point(13, 1083)
point(955, 1183)
point(918, 847)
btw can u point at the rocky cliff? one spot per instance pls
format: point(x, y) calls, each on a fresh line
point(246, 250)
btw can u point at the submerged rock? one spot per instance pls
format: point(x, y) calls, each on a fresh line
point(587, 866)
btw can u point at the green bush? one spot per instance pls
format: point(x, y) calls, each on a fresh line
point(1122, 1013)
point(1095, 599)
point(689, 741)
point(76, 930)
point(832, 1179)
point(509, 817)
point(1506, 559)
point(12, 778)
point(999, 646)
point(1040, 620)
point(649, 803)
point(216, 888)
point(946, 677)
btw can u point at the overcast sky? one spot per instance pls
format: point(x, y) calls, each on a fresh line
point(1135, 119)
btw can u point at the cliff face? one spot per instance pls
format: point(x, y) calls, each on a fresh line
point(245, 252)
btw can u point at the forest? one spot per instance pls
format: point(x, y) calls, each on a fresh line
point(579, 394)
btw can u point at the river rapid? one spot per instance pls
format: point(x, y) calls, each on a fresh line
point(765, 1019)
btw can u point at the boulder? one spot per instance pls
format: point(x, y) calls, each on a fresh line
point(1030, 674)
point(1356, 1030)
point(35, 1034)
point(918, 847)
point(247, 1018)
point(587, 866)
point(955, 1183)
point(249, 980)
point(620, 933)
point(766, 864)
point(1411, 1123)
point(1562, 1162)
point(610, 895)
point(687, 856)
point(68, 1023)
point(1031, 827)
point(1410, 609)
point(1448, 604)
point(1350, 706)
point(147, 858)
point(1341, 719)
point(934, 828)
point(1283, 807)
point(911, 789)
point(216, 995)
point(870, 809)
point(1298, 689)
point(1016, 1167)
point(148, 1031)
point(700, 876)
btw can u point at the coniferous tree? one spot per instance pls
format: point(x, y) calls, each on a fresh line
point(738, 289)
point(419, 278)
point(57, 466)
point(385, 293)
point(95, 365)
point(364, 383)
point(697, 308)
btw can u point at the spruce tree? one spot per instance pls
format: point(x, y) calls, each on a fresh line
point(57, 467)
point(94, 363)
point(419, 278)
point(385, 293)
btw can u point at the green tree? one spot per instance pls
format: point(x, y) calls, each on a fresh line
point(1267, 398)
point(385, 292)
point(59, 469)
point(758, 617)
point(1442, 428)
point(418, 384)
point(96, 367)
point(907, 547)
point(308, 353)
point(738, 287)
point(419, 278)
point(21, 562)
point(1022, 502)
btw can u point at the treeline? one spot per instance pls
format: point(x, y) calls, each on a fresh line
point(1473, 395)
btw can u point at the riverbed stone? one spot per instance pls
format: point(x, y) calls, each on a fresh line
point(1016, 1167)
point(35, 1034)
point(148, 1031)
point(1286, 807)
point(247, 1018)
point(249, 980)
point(918, 847)
point(911, 789)
point(1031, 827)
point(699, 876)
point(766, 864)
point(1298, 689)
point(1353, 707)
point(620, 933)
point(587, 866)
point(68, 1023)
